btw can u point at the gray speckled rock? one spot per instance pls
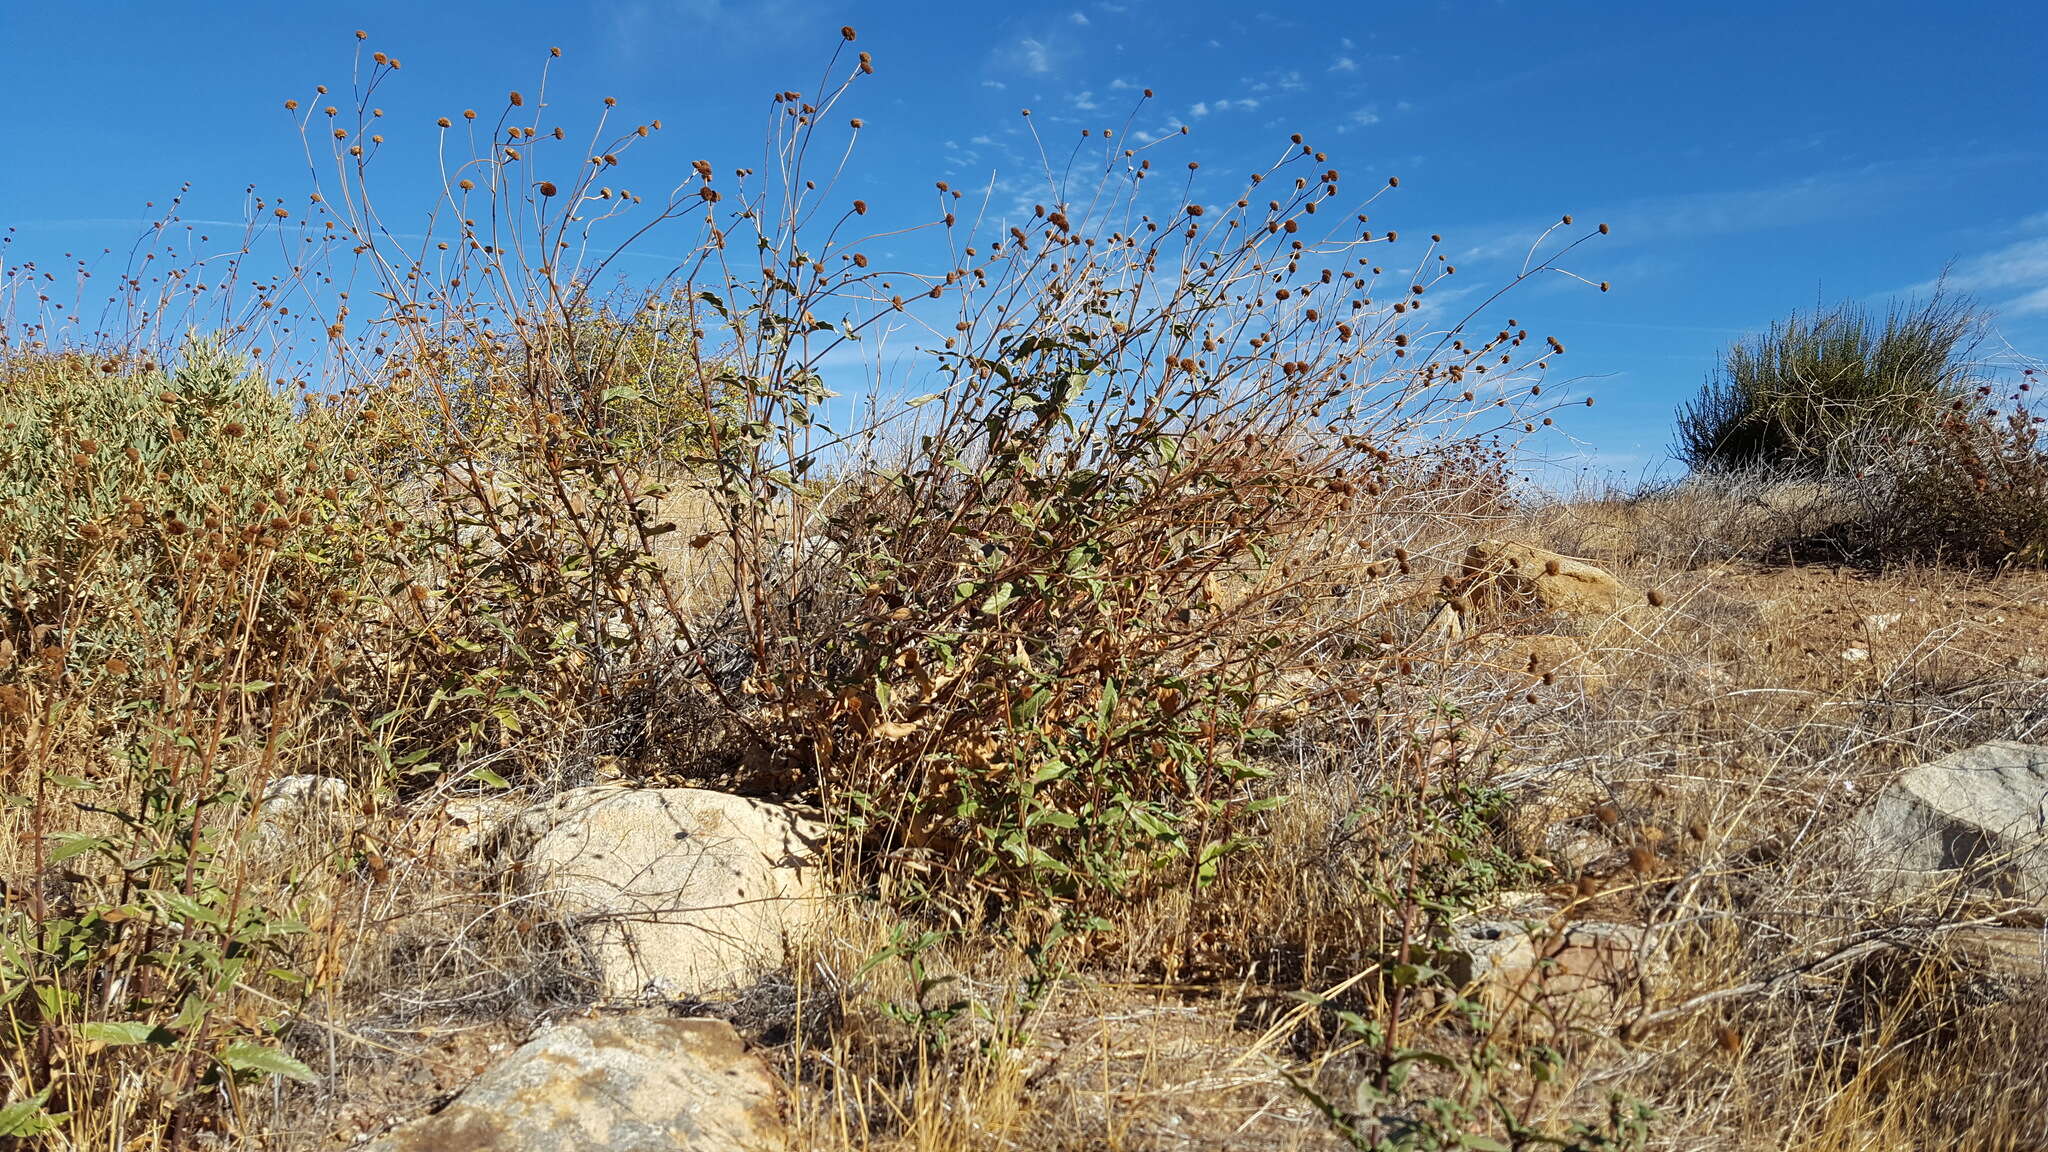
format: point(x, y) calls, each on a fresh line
point(1979, 816)
point(626, 1084)
point(671, 891)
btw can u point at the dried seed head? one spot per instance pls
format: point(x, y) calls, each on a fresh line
point(846, 33)
point(1607, 814)
point(516, 99)
point(1655, 598)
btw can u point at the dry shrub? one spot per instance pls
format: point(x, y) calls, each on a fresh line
point(1971, 490)
point(1026, 635)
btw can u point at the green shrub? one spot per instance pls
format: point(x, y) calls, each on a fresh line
point(121, 484)
point(1805, 394)
point(177, 550)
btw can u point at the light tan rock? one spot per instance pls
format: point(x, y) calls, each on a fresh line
point(625, 1084)
point(671, 890)
point(1587, 963)
point(1509, 575)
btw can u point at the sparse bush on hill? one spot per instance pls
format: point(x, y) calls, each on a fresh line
point(1810, 392)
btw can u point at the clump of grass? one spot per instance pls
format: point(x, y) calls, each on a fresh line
point(1802, 395)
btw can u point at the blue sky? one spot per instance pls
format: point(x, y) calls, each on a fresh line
point(1751, 158)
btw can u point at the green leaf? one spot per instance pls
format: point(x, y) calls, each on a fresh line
point(490, 777)
point(1152, 823)
point(75, 845)
point(262, 1060)
point(186, 908)
point(116, 1033)
point(25, 1117)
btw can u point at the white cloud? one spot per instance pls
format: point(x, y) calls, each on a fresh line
point(983, 141)
point(993, 84)
point(1344, 64)
point(1085, 102)
point(1366, 117)
point(1201, 108)
point(2012, 278)
point(1032, 56)
point(1080, 18)
point(1121, 85)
